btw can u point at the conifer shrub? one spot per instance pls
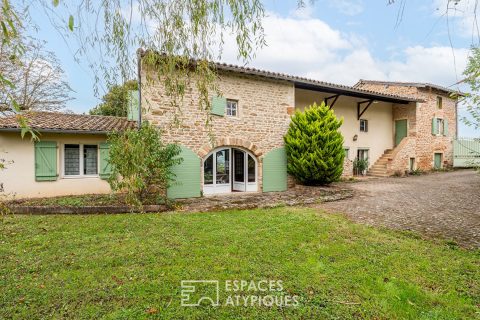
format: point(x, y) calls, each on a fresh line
point(314, 146)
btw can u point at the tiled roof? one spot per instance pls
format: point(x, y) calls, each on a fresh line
point(321, 85)
point(305, 83)
point(409, 84)
point(67, 122)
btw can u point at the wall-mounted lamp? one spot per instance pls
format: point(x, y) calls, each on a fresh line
point(355, 137)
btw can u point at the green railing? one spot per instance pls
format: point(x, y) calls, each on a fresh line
point(466, 152)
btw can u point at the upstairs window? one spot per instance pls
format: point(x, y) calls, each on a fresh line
point(440, 126)
point(232, 108)
point(439, 102)
point(363, 125)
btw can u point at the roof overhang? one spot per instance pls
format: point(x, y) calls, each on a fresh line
point(350, 93)
point(57, 131)
point(304, 83)
point(315, 85)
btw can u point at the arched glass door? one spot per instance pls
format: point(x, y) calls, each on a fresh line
point(229, 169)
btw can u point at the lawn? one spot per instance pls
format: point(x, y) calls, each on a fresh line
point(131, 266)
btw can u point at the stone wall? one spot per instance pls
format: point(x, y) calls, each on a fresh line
point(420, 122)
point(264, 108)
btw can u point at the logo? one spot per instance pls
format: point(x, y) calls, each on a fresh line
point(197, 292)
point(237, 293)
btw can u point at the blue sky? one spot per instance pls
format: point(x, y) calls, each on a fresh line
point(338, 41)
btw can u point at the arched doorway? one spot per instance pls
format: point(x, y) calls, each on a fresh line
point(228, 169)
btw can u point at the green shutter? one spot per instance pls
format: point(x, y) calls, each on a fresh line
point(434, 126)
point(105, 166)
point(133, 105)
point(45, 161)
point(275, 170)
point(187, 176)
point(219, 104)
point(445, 127)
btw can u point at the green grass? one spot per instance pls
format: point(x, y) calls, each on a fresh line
point(130, 266)
point(81, 200)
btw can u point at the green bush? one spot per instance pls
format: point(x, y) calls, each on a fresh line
point(141, 163)
point(314, 146)
point(360, 166)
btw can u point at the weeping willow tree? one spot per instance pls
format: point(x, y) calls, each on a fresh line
point(106, 34)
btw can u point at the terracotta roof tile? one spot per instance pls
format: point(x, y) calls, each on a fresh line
point(305, 82)
point(409, 84)
point(316, 83)
point(69, 122)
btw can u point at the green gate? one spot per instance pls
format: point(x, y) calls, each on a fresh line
point(466, 152)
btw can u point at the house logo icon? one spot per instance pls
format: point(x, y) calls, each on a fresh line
point(200, 292)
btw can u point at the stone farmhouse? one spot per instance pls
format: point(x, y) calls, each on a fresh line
point(396, 126)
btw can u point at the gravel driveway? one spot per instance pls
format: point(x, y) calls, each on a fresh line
point(443, 205)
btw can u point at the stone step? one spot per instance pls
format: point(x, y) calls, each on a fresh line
point(380, 172)
point(377, 174)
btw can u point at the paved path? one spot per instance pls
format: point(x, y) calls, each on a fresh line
point(445, 205)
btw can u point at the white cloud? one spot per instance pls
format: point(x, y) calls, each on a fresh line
point(309, 47)
point(347, 7)
point(461, 15)
point(440, 65)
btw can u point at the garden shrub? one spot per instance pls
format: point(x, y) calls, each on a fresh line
point(360, 166)
point(142, 163)
point(314, 146)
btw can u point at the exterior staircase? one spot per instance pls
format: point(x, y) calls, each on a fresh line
point(379, 168)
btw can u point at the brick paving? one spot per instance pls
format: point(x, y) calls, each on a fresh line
point(444, 205)
point(300, 195)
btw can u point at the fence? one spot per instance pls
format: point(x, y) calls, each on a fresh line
point(466, 152)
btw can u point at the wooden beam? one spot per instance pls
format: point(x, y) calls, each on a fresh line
point(335, 97)
point(359, 107)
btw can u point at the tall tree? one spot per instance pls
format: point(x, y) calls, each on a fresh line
point(107, 33)
point(38, 77)
point(472, 78)
point(115, 101)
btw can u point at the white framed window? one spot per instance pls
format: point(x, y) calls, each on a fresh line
point(363, 125)
point(80, 160)
point(440, 126)
point(232, 108)
point(362, 154)
point(347, 151)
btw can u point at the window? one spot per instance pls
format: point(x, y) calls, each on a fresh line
point(208, 170)
point(363, 125)
point(439, 102)
point(223, 166)
point(440, 126)
point(80, 160)
point(251, 169)
point(232, 108)
point(346, 150)
point(90, 159)
point(412, 164)
point(72, 159)
point(362, 154)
